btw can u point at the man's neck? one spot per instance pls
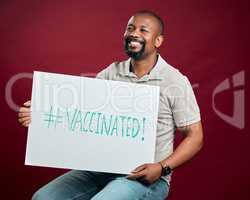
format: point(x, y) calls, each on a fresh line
point(144, 66)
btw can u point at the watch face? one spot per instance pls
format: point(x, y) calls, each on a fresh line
point(166, 171)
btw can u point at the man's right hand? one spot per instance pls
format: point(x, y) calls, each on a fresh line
point(24, 117)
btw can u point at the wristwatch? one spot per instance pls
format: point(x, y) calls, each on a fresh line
point(165, 170)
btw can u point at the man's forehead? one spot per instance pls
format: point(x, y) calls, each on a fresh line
point(143, 20)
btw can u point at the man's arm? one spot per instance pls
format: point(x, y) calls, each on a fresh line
point(189, 146)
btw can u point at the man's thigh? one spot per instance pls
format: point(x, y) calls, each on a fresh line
point(77, 185)
point(122, 188)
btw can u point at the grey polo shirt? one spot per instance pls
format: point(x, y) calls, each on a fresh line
point(177, 103)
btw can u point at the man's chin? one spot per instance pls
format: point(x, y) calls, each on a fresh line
point(135, 55)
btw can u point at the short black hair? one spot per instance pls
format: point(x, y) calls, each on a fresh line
point(152, 14)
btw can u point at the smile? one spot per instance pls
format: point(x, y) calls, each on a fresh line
point(134, 44)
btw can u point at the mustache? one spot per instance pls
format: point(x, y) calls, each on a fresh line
point(134, 39)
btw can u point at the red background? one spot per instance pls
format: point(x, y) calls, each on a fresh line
point(207, 40)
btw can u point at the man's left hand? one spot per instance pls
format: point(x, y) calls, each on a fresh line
point(147, 173)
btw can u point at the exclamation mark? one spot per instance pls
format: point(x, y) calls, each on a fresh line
point(143, 128)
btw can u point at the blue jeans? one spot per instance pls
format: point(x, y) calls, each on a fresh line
point(86, 185)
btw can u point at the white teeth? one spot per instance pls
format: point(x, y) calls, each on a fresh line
point(135, 43)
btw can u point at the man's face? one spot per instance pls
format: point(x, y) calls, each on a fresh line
point(140, 37)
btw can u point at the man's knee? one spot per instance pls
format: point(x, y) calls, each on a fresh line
point(44, 194)
point(39, 195)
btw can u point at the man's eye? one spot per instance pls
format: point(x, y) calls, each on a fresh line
point(129, 28)
point(144, 30)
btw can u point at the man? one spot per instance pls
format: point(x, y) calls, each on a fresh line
point(177, 109)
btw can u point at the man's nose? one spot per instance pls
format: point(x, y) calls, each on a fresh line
point(135, 33)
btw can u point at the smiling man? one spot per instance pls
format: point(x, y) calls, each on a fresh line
point(177, 110)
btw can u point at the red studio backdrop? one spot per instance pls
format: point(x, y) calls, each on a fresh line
point(206, 40)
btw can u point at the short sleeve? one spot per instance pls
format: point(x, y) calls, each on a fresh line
point(184, 106)
point(102, 74)
point(107, 73)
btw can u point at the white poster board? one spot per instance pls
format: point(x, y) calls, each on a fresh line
point(91, 124)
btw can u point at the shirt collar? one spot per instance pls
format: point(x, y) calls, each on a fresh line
point(154, 74)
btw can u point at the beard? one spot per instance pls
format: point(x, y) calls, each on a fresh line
point(136, 55)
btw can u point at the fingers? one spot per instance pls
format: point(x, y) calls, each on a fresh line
point(146, 174)
point(26, 123)
point(137, 175)
point(138, 172)
point(24, 119)
point(24, 111)
point(139, 168)
point(23, 114)
point(27, 103)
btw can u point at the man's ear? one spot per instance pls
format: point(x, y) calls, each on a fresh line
point(158, 41)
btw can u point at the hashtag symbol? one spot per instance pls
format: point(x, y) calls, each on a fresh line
point(53, 119)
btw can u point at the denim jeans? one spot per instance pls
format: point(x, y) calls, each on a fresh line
point(86, 185)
